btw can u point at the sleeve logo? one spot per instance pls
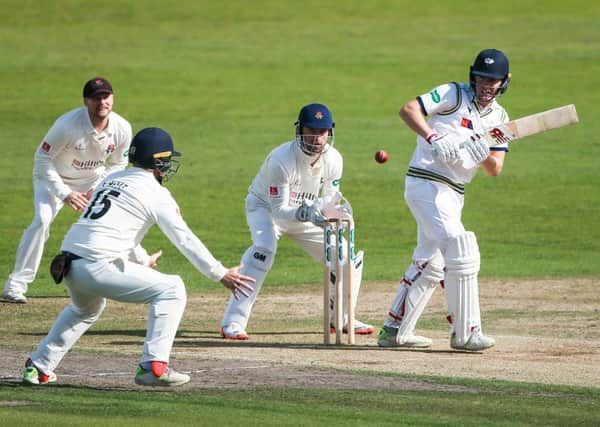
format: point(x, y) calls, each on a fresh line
point(435, 96)
point(273, 191)
point(46, 147)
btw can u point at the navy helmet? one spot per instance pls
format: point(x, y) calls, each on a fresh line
point(152, 148)
point(493, 64)
point(313, 116)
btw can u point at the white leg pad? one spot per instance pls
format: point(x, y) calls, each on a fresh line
point(256, 263)
point(357, 274)
point(462, 293)
point(414, 292)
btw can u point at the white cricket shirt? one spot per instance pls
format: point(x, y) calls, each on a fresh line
point(286, 178)
point(74, 156)
point(122, 209)
point(454, 113)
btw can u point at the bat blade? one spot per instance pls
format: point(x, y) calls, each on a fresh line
point(532, 124)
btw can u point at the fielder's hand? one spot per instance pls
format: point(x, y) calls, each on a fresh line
point(238, 283)
point(310, 213)
point(77, 201)
point(153, 261)
point(444, 149)
point(477, 148)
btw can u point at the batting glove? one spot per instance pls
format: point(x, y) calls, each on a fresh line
point(310, 213)
point(443, 149)
point(477, 148)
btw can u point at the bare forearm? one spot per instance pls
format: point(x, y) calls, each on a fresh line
point(492, 166)
point(413, 117)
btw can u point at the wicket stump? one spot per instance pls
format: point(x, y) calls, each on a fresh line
point(335, 261)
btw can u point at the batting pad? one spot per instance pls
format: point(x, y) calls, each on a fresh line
point(358, 268)
point(461, 288)
point(416, 289)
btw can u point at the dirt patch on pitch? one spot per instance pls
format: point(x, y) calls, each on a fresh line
point(545, 333)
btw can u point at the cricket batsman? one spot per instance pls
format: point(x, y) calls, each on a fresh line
point(448, 121)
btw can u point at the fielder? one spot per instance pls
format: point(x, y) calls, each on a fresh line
point(446, 252)
point(81, 147)
point(284, 199)
point(95, 263)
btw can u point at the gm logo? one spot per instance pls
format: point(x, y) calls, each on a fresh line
point(259, 256)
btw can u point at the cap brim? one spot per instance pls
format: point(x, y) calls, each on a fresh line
point(98, 92)
point(175, 153)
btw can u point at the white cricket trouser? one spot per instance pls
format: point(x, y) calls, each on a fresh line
point(437, 209)
point(31, 248)
point(265, 234)
point(90, 283)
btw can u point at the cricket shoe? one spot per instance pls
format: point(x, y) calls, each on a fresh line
point(388, 338)
point(33, 376)
point(160, 375)
point(14, 297)
point(476, 342)
point(360, 328)
point(234, 331)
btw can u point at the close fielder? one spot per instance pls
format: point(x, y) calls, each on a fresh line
point(81, 148)
point(446, 252)
point(99, 250)
point(286, 198)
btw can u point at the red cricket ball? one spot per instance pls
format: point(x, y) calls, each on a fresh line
point(381, 156)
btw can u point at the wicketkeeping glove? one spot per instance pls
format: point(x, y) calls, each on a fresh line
point(310, 213)
point(477, 148)
point(443, 148)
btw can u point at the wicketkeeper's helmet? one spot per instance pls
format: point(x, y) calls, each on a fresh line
point(152, 148)
point(493, 64)
point(313, 116)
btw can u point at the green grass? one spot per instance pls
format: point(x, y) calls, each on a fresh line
point(469, 403)
point(227, 80)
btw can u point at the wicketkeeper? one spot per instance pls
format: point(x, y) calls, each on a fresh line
point(285, 198)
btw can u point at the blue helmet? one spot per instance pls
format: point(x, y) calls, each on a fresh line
point(152, 148)
point(313, 116)
point(493, 64)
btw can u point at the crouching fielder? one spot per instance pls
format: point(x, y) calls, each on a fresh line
point(282, 200)
point(448, 154)
point(95, 263)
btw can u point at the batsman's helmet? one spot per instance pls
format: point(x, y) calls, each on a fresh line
point(313, 116)
point(152, 148)
point(493, 64)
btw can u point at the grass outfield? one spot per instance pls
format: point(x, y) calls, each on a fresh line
point(485, 404)
point(227, 80)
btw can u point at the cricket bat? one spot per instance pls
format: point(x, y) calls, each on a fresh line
point(531, 125)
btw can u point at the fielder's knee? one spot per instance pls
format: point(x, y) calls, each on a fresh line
point(258, 258)
point(91, 311)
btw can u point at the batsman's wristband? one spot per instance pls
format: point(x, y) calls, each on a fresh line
point(430, 137)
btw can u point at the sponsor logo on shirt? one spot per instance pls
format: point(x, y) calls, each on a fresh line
point(466, 123)
point(335, 182)
point(46, 147)
point(110, 148)
point(273, 191)
point(87, 164)
point(296, 199)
